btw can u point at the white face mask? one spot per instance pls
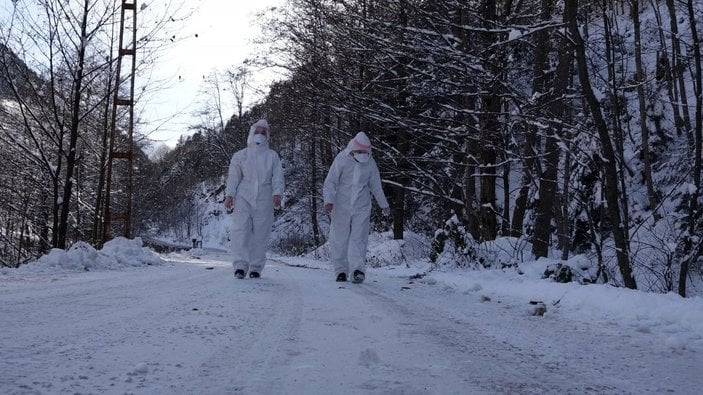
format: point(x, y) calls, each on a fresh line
point(259, 139)
point(362, 157)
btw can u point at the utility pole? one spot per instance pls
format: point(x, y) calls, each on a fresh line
point(118, 190)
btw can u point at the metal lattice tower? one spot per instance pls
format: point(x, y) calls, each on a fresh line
point(118, 190)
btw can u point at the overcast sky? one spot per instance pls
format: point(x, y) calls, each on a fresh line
point(224, 30)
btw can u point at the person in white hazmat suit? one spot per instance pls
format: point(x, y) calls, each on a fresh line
point(347, 190)
point(254, 187)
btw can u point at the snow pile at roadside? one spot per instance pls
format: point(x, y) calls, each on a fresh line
point(115, 254)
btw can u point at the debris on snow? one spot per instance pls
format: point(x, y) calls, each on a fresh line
point(538, 307)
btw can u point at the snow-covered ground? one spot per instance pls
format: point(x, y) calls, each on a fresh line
point(123, 320)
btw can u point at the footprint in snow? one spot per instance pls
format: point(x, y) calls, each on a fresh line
point(140, 369)
point(368, 357)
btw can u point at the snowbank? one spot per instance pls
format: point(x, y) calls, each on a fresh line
point(118, 253)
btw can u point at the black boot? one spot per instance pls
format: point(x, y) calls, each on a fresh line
point(254, 275)
point(342, 277)
point(358, 277)
point(239, 273)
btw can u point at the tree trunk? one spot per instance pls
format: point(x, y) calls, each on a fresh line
point(694, 212)
point(314, 193)
point(641, 80)
point(609, 164)
point(489, 128)
point(472, 217)
point(548, 181)
point(528, 167)
point(530, 154)
point(467, 158)
point(678, 68)
point(505, 221)
point(402, 135)
point(56, 202)
point(73, 137)
point(616, 131)
point(487, 178)
point(563, 225)
point(98, 207)
point(547, 194)
point(664, 72)
point(398, 191)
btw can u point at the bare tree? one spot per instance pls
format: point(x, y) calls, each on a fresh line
point(620, 229)
point(557, 109)
point(641, 96)
point(57, 60)
point(694, 212)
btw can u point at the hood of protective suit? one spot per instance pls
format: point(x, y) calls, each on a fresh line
point(360, 142)
point(250, 139)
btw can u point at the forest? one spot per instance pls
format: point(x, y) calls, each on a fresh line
point(574, 126)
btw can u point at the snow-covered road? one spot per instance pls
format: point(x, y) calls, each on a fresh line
point(185, 329)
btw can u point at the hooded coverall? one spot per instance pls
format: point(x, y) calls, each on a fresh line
point(255, 176)
point(348, 186)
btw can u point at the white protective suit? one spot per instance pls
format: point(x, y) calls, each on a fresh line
point(348, 186)
point(255, 176)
